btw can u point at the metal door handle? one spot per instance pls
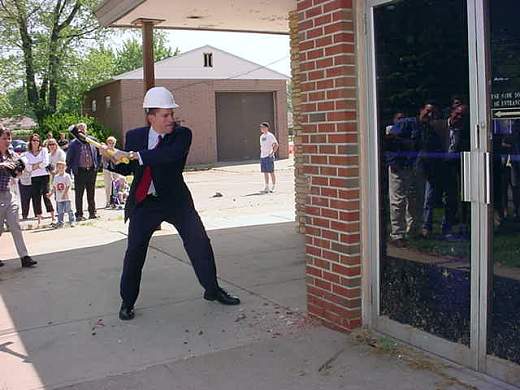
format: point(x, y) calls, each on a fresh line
point(477, 136)
point(465, 181)
point(487, 178)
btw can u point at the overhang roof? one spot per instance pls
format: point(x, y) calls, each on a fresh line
point(265, 16)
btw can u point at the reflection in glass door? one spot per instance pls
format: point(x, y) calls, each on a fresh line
point(422, 99)
point(503, 339)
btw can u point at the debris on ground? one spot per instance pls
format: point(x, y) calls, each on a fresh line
point(217, 195)
point(99, 324)
point(240, 317)
point(413, 358)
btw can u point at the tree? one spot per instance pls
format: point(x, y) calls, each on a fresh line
point(41, 35)
point(14, 103)
point(102, 63)
point(97, 66)
point(130, 56)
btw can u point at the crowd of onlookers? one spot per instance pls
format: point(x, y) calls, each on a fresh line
point(56, 167)
point(423, 158)
point(423, 155)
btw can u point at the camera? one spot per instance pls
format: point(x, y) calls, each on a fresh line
point(18, 169)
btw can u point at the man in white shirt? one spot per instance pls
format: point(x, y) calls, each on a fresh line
point(268, 147)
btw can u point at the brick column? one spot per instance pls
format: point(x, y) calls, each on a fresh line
point(329, 144)
point(300, 179)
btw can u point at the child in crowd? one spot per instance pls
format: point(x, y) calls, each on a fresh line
point(61, 188)
point(120, 190)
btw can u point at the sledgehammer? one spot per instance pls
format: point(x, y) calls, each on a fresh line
point(86, 139)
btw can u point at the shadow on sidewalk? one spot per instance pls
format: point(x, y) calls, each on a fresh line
point(59, 325)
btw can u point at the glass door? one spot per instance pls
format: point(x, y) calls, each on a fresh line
point(444, 137)
point(502, 318)
point(423, 103)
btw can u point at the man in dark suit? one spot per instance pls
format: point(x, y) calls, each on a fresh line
point(157, 155)
point(453, 138)
point(83, 160)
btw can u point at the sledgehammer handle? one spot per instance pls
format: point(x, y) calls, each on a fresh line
point(86, 139)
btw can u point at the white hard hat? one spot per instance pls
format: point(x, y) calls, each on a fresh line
point(159, 97)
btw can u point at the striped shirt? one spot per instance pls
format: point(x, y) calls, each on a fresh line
point(5, 175)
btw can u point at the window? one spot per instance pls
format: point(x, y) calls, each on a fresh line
point(208, 60)
point(93, 105)
point(108, 102)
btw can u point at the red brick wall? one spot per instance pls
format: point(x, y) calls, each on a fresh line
point(330, 151)
point(108, 116)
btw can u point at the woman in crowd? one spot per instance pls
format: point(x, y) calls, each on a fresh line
point(55, 155)
point(109, 176)
point(37, 163)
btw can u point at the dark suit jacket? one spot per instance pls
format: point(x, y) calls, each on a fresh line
point(73, 156)
point(167, 162)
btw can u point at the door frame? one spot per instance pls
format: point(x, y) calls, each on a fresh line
point(491, 365)
point(462, 354)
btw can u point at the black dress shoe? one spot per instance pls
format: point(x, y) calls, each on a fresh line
point(93, 216)
point(221, 296)
point(126, 313)
point(28, 262)
point(80, 218)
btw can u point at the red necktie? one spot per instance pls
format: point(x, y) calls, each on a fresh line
point(141, 191)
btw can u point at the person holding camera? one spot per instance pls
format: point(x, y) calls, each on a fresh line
point(37, 163)
point(9, 168)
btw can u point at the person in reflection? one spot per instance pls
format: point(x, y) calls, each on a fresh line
point(400, 140)
point(456, 100)
point(502, 131)
point(425, 143)
point(451, 132)
point(511, 146)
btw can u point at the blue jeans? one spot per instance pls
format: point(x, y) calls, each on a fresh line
point(65, 206)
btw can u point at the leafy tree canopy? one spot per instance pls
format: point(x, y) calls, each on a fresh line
point(37, 38)
point(130, 55)
point(53, 51)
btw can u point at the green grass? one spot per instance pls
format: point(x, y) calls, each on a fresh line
point(506, 243)
point(439, 247)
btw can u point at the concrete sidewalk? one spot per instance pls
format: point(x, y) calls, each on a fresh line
point(313, 359)
point(58, 322)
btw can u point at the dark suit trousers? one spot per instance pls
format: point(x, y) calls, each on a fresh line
point(147, 217)
point(85, 179)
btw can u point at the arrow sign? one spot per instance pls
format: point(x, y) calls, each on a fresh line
point(501, 114)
